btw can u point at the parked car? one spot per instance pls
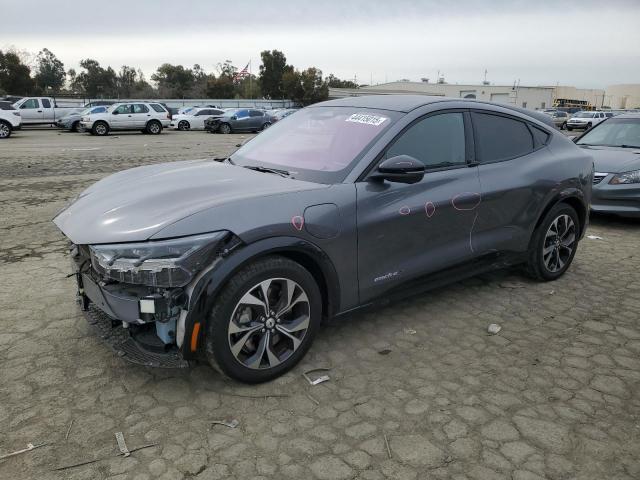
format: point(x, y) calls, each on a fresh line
point(99, 103)
point(42, 110)
point(586, 120)
point(239, 120)
point(358, 200)
point(560, 119)
point(615, 148)
point(194, 119)
point(280, 114)
point(71, 121)
point(10, 119)
point(146, 117)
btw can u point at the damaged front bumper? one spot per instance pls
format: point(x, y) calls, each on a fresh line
point(139, 323)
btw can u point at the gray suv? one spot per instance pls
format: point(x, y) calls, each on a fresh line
point(240, 120)
point(344, 204)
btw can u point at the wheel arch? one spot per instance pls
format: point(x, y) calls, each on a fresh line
point(573, 199)
point(305, 253)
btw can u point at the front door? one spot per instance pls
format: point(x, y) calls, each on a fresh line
point(242, 121)
point(121, 117)
point(406, 231)
point(31, 111)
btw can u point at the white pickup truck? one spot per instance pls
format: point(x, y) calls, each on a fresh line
point(43, 110)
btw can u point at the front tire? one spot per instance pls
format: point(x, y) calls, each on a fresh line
point(588, 126)
point(100, 128)
point(264, 320)
point(563, 126)
point(224, 128)
point(183, 125)
point(570, 129)
point(5, 130)
point(154, 127)
point(75, 126)
point(554, 243)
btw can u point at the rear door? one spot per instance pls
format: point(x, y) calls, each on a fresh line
point(31, 111)
point(140, 115)
point(257, 119)
point(512, 155)
point(406, 231)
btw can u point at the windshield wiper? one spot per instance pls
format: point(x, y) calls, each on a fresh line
point(258, 168)
point(224, 159)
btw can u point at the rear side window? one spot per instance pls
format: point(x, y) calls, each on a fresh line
point(437, 141)
point(500, 138)
point(158, 108)
point(255, 113)
point(140, 108)
point(540, 137)
point(46, 103)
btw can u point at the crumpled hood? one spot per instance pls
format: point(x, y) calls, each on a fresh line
point(614, 160)
point(135, 204)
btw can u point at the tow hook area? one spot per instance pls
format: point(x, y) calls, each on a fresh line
point(163, 308)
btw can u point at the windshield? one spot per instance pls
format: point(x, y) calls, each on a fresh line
point(615, 132)
point(318, 144)
point(584, 115)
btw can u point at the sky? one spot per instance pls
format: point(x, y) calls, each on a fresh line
point(587, 44)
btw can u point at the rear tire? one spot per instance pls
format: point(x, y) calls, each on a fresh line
point(5, 129)
point(554, 243)
point(154, 127)
point(100, 129)
point(224, 128)
point(266, 125)
point(254, 343)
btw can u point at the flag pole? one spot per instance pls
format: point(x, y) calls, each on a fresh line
point(250, 88)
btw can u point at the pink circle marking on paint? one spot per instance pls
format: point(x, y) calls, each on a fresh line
point(466, 196)
point(297, 222)
point(429, 209)
point(404, 210)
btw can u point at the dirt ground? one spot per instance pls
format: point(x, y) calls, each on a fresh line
point(418, 389)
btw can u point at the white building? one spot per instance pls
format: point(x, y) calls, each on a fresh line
point(526, 97)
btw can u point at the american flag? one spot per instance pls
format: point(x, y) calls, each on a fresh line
point(242, 73)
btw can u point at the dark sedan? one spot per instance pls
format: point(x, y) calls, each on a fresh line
point(338, 207)
point(615, 147)
point(239, 120)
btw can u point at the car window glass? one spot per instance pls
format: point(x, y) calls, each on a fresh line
point(140, 108)
point(614, 132)
point(31, 103)
point(98, 110)
point(46, 103)
point(540, 136)
point(242, 113)
point(255, 113)
point(217, 112)
point(500, 138)
point(158, 108)
point(123, 109)
point(437, 141)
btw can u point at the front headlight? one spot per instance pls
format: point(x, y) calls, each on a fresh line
point(85, 119)
point(626, 177)
point(162, 263)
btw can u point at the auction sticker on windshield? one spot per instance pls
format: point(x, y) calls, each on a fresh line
point(366, 119)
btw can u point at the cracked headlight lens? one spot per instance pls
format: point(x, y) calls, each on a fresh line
point(625, 178)
point(161, 263)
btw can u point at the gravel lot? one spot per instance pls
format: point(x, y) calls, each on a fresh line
point(418, 389)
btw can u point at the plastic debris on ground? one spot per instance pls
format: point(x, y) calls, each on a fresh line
point(494, 328)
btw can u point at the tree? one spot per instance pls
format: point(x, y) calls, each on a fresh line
point(174, 81)
point(335, 82)
point(225, 85)
point(274, 66)
point(15, 76)
point(96, 81)
point(50, 72)
point(305, 87)
point(126, 81)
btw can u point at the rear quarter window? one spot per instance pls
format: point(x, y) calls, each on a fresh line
point(6, 106)
point(158, 108)
point(500, 138)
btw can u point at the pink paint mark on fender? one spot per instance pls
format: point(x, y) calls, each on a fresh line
point(429, 209)
point(404, 210)
point(297, 222)
point(466, 201)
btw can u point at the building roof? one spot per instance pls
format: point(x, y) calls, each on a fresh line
point(399, 103)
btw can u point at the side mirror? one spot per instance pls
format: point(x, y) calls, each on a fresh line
point(115, 112)
point(400, 169)
point(234, 118)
